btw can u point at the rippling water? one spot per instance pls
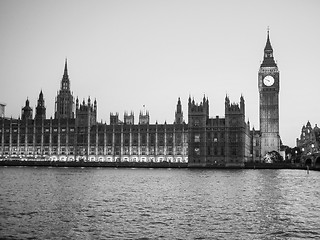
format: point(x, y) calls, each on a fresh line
point(92, 203)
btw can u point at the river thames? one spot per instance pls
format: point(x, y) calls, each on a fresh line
point(109, 203)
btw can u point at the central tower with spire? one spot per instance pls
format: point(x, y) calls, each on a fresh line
point(269, 86)
point(64, 107)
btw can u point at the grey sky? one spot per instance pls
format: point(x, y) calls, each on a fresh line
point(127, 54)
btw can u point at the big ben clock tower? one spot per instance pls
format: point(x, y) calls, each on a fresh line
point(269, 86)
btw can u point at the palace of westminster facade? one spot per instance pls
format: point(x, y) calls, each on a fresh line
point(203, 141)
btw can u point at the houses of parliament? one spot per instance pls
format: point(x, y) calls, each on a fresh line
point(75, 135)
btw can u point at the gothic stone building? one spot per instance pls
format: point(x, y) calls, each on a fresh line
point(267, 139)
point(218, 141)
point(75, 135)
point(309, 144)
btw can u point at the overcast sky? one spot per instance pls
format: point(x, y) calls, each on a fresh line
point(127, 54)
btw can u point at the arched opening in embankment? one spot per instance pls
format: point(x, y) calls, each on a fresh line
point(317, 163)
point(308, 162)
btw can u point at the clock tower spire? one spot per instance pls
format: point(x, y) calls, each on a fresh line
point(269, 87)
point(268, 60)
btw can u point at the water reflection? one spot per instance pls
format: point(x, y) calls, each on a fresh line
point(89, 203)
point(266, 203)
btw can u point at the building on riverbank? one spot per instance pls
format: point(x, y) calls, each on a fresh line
point(309, 144)
point(269, 88)
point(77, 136)
point(218, 141)
point(309, 141)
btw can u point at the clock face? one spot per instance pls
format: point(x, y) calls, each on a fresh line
point(268, 81)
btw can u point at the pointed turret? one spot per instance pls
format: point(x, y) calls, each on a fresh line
point(268, 60)
point(227, 102)
point(189, 102)
point(95, 104)
point(242, 105)
point(308, 124)
point(26, 111)
point(77, 103)
point(40, 99)
point(65, 82)
point(268, 44)
point(40, 109)
point(41, 95)
point(179, 106)
point(179, 113)
point(65, 74)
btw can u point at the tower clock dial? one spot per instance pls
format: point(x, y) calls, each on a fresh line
point(268, 81)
